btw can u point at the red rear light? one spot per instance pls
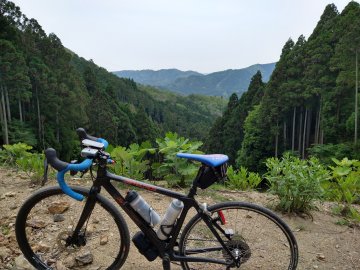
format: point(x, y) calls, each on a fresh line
point(222, 217)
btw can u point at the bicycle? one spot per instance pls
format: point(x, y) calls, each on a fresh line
point(57, 229)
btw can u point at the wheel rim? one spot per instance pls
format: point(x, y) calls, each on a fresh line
point(258, 241)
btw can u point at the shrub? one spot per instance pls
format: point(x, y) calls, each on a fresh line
point(176, 171)
point(242, 179)
point(296, 182)
point(11, 153)
point(32, 165)
point(129, 162)
point(345, 184)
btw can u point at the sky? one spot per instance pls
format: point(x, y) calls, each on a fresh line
point(200, 35)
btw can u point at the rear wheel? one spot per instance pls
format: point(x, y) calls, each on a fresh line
point(47, 219)
point(255, 236)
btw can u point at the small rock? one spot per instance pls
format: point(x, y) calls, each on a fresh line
point(84, 258)
point(41, 247)
point(337, 246)
point(103, 240)
point(36, 224)
point(13, 207)
point(315, 266)
point(96, 220)
point(69, 261)
point(10, 194)
point(320, 257)
point(60, 266)
point(4, 252)
point(58, 207)
point(59, 218)
point(22, 263)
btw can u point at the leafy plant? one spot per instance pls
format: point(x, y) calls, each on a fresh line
point(177, 171)
point(129, 162)
point(33, 165)
point(296, 182)
point(345, 186)
point(242, 179)
point(12, 153)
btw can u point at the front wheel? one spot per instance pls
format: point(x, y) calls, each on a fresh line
point(46, 221)
point(255, 236)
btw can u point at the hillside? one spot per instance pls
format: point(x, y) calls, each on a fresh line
point(162, 78)
point(308, 103)
point(47, 91)
point(222, 83)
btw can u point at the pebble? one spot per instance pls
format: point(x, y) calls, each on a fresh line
point(13, 207)
point(84, 258)
point(22, 263)
point(58, 207)
point(10, 194)
point(103, 240)
point(4, 252)
point(320, 257)
point(59, 218)
point(36, 224)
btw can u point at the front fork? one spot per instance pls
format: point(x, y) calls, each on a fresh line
point(78, 238)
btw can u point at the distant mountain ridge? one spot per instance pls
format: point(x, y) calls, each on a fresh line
point(162, 77)
point(222, 83)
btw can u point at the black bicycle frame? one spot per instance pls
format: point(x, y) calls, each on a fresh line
point(165, 248)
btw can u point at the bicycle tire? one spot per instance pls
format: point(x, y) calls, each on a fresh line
point(41, 239)
point(254, 241)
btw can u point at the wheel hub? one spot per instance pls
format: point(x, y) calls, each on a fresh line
point(239, 249)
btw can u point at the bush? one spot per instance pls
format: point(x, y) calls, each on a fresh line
point(32, 165)
point(325, 152)
point(242, 179)
point(11, 153)
point(345, 185)
point(296, 182)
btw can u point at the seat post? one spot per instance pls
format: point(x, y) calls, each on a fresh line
point(192, 191)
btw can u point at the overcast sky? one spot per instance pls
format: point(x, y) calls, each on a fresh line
point(200, 35)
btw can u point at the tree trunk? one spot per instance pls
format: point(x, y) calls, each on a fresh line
point(276, 140)
point(20, 111)
point(300, 130)
point(356, 99)
point(284, 134)
point(293, 131)
point(308, 129)
point(316, 134)
point(38, 113)
point(5, 126)
point(7, 105)
point(57, 126)
point(304, 133)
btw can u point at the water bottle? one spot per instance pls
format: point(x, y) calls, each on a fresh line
point(169, 219)
point(144, 210)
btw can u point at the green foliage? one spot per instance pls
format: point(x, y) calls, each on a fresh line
point(32, 165)
point(326, 152)
point(130, 161)
point(242, 179)
point(296, 182)
point(345, 185)
point(177, 171)
point(12, 153)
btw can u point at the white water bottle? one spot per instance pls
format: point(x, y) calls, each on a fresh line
point(140, 205)
point(172, 213)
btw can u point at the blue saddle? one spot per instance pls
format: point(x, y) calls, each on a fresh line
point(213, 160)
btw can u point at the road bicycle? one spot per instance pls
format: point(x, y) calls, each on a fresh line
point(73, 227)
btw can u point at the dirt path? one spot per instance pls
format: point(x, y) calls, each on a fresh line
point(322, 243)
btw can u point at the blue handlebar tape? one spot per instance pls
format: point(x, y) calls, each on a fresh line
point(73, 167)
point(100, 140)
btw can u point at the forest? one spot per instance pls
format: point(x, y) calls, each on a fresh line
point(309, 105)
point(47, 91)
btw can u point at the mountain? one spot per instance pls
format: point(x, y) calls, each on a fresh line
point(162, 77)
point(222, 83)
point(47, 91)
